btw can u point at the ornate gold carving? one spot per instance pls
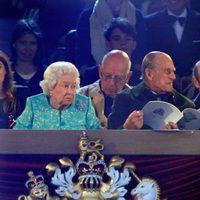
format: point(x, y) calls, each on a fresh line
point(85, 180)
point(38, 190)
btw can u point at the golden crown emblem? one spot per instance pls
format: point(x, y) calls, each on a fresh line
point(85, 180)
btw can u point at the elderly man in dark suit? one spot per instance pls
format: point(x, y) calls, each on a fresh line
point(158, 76)
point(176, 31)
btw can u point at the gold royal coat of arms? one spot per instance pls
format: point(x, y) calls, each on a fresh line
point(85, 180)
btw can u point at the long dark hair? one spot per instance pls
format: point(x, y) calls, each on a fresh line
point(9, 103)
point(27, 26)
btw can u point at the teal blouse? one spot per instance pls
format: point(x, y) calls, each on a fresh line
point(39, 114)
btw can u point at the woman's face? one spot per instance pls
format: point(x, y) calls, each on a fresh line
point(26, 47)
point(2, 73)
point(63, 94)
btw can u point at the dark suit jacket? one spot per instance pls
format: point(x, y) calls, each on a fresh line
point(134, 99)
point(161, 36)
point(197, 101)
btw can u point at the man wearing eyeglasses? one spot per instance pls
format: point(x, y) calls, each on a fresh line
point(158, 74)
point(114, 74)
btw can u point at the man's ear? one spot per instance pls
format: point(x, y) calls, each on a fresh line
point(195, 82)
point(128, 76)
point(148, 73)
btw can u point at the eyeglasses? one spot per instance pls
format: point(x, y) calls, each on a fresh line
point(115, 78)
point(72, 86)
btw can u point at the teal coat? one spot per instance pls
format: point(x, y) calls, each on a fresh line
point(134, 99)
point(39, 114)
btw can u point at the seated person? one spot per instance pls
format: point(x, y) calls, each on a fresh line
point(118, 34)
point(158, 76)
point(90, 43)
point(194, 92)
point(26, 49)
point(114, 73)
point(58, 107)
point(8, 101)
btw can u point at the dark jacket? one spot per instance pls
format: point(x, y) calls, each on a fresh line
point(197, 101)
point(161, 37)
point(134, 99)
point(28, 88)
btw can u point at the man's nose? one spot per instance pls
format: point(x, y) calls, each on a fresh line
point(113, 80)
point(173, 76)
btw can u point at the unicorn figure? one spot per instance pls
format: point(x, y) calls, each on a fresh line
point(147, 189)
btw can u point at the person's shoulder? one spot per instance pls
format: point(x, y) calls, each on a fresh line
point(193, 13)
point(156, 21)
point(135, 91)
point(182, 101)
point(87, 89)
point(83, 90)
point(156, 15)
point(193, 17)
point(40, 96)
point(178, 94)
point(81, 97)
point(127, 91)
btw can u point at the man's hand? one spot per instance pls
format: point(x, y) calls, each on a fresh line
point(171, 125)
point(134, 120)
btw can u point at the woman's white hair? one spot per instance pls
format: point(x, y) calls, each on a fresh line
point(54, 71)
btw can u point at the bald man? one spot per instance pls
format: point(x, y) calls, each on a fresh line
point(158, 76)
point(114, 73)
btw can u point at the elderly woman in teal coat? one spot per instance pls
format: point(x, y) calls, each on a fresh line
point(59, 106)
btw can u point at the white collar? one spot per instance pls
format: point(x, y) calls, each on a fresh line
point(183, 14)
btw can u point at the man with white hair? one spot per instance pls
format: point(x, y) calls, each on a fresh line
point(158, 76)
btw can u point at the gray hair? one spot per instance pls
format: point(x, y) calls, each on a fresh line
point(195, 70)
point(54, 71)
point(149, 61)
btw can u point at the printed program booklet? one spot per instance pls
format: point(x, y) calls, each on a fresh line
point(159, 113)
